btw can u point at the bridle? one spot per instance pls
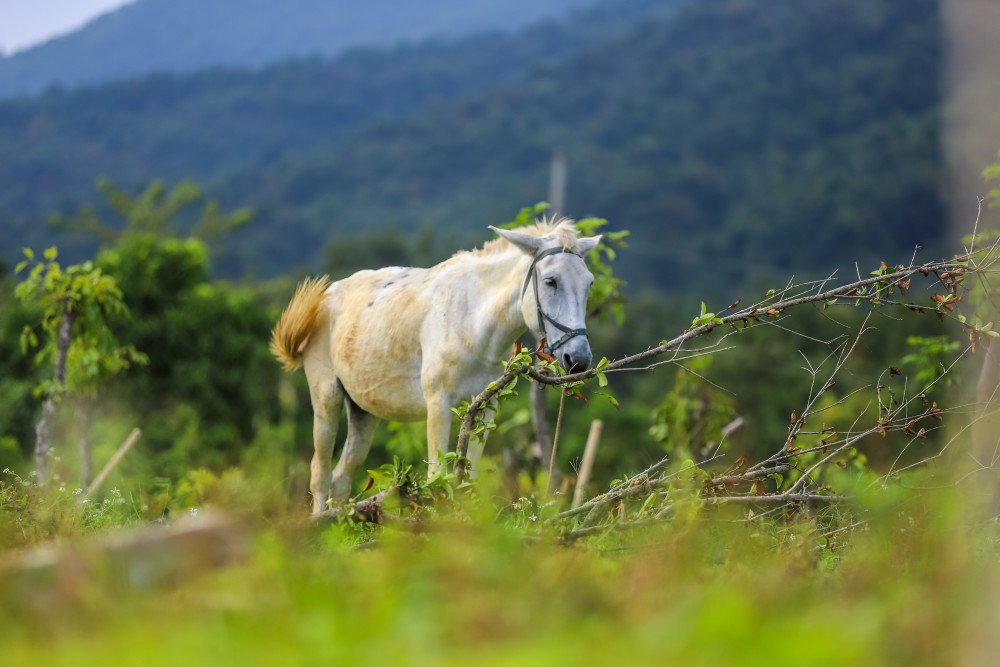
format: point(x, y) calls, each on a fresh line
point(568, 332)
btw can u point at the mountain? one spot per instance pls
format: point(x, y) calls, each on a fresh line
point(186, 35)
point(222, 124)
point(734, 137)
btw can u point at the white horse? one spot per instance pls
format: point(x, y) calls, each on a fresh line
point(408, 344)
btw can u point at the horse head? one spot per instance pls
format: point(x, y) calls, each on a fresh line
point(554, 293)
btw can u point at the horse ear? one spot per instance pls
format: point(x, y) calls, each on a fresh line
point(526, 242)
point(587, 244)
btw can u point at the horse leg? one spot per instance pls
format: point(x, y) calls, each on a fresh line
point(327, 400)
point(360, 429)
point(438, 431)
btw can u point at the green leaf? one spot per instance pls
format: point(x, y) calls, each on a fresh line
point(602, 379)
point(50, 253)
point(29, 254)
point(611, 399)
point(645, 505)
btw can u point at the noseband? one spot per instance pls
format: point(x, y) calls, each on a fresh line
point(568, 333)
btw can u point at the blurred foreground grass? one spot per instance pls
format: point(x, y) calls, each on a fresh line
point(911, 580)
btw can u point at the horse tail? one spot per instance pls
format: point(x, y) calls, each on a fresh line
point(295, 328)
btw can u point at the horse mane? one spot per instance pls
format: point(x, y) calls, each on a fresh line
point(563, 229)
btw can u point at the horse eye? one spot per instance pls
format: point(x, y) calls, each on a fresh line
point(551, 282)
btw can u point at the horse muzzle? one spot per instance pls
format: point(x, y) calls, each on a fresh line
point(575, 356)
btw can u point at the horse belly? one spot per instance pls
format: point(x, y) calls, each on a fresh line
point(376, 351)
point(395, 399)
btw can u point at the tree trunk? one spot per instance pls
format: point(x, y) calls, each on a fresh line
point(43, 430)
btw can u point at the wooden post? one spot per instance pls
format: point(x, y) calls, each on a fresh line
point(557, 183)
point(127, 445)
point(587, 465)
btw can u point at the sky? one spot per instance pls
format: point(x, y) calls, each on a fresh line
point(25, 23)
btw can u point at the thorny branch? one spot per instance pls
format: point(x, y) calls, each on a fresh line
point(903, 415)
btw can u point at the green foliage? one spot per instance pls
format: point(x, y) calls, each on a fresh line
point(90, 297)
point(407, 440)
point(705, 317)
point(930, 357)
point(204, 384)
point(19, 375)
point(992, 173)
point(689, 422)
point(204, 340)
point(155, 212)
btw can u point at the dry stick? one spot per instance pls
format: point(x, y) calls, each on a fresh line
point(122, 451)
point(555, 442)
point(587, 465)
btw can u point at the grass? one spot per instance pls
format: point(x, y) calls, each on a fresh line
point(914, 582)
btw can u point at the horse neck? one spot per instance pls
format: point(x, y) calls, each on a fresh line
point(500, 279)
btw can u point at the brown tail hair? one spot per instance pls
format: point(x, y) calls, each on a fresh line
point(292, 333)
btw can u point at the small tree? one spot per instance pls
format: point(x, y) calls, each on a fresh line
point(74, 303)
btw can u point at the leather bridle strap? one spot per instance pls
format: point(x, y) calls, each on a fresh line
point(568, 332)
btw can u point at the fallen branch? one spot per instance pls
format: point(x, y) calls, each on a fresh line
point(778, 498)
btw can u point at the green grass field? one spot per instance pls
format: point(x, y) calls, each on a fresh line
point(902, 578)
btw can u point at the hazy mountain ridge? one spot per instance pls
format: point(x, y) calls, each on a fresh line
point(186, 35)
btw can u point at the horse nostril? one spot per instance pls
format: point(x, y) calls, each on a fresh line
point(567, 363)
